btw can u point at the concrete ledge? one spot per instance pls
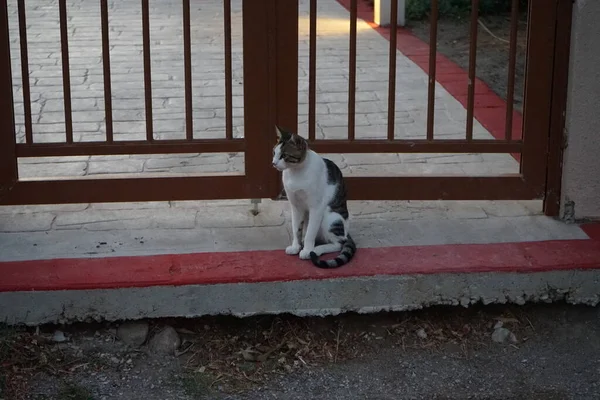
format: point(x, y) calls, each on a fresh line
point(312, 297)
point(270, 282)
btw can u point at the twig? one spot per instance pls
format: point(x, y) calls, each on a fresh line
point(490, 32)
point(337, 345)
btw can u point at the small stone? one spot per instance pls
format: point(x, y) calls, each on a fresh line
point(500, 335)
point(422, 334)
point(165, 342)
point(59, 337)
point(133, 333)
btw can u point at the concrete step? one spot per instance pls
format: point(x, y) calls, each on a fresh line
point(269, 282)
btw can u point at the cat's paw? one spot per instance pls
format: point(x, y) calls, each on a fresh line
point(305, 254)
point(292, 250)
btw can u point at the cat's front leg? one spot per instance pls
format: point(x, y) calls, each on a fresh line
point(297, 224)
point(314, 223)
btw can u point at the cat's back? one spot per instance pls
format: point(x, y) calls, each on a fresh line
point(334, 174)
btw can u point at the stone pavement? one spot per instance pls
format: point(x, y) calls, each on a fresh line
point(99, 230)
point(208, 83)
point(77, 230)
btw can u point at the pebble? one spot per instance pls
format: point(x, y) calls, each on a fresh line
point(165, 342)
point(422, 334)
point(59, 337)
point(133, 333)
point(500, 335)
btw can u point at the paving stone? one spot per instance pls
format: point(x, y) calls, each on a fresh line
point(26, 222)
point(511, 208)
point(165, 164)
point(371, 159)
point(240, 216)
point(59, 169)
point(243, 239)
point(115, 167)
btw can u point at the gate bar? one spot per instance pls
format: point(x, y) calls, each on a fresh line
point(312, 71)
point(559, 104)
point(25, 72)
point(352, 72)
point(228, 73)
point(106, 70)
point(187, 65)
point(8, 160)
point(512, 63)
point(66, 72)
point(433, 22)
point(472, 67)
point(392, 72)
point(147, 69)
point(538, 92)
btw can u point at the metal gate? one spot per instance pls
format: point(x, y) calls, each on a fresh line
point(270, 54)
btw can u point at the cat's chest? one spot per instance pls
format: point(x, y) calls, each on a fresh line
point(298, 184)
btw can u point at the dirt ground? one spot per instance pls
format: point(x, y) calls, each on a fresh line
point(549, 352)
point(492, 58)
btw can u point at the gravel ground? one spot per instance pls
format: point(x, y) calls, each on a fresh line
point(442, 353)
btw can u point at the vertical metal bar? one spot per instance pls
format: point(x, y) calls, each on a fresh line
point(472, 67)
point(228, 73)
point(64, 41)
point(106, 70)
point(147, 69)
point(25, 72)
point(352, 72)
point(312, 71)
point(538, 93)
point(559, 104)
point(258, 125)
point(512, 63)
point(8, 158)
point(187, 61)
point(286, 67)
point(392, 71)
point(432, 68)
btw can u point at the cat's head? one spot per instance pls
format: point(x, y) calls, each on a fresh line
point(290, 150)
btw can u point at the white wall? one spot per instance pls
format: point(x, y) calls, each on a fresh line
point(581, 168)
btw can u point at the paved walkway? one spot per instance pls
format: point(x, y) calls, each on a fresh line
point(175, 227)
point(208, 82)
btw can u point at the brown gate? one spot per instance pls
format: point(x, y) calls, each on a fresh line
point(270, 54)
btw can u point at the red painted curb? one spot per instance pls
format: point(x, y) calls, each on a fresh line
point(489, 110)
point(270, 266)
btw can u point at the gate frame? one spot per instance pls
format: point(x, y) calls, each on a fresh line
point(270, 30)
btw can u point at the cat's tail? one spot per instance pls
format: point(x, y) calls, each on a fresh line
point(346, 254)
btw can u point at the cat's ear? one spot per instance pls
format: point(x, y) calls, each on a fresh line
point(279, 132)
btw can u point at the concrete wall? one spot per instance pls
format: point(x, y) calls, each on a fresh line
point(581, 169)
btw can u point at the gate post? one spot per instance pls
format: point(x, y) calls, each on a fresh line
point(270, 35)
point(8, 159)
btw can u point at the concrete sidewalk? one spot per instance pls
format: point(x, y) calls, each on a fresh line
point(100, 230)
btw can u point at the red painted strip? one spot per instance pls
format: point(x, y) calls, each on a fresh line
point(269, 266)
point(490, 109)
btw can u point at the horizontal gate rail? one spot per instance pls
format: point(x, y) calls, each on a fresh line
point(131, 147)
point(92, 190)
point(415, 146)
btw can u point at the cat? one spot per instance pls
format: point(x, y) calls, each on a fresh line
point(315, 189)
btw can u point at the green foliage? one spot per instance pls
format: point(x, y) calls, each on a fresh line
point(419, 9)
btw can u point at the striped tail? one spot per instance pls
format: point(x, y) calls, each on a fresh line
point(347, 253)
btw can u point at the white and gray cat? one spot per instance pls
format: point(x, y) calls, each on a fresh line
point(316, 192)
